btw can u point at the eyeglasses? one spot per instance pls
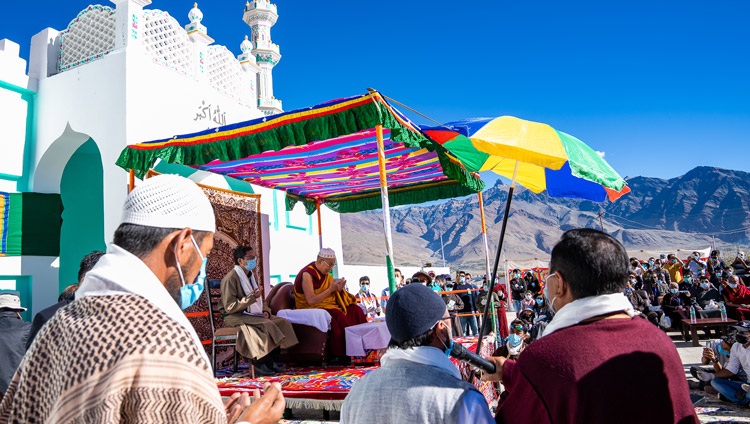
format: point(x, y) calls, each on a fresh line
point(516, 327)
point(365, 283)
point(418, 280)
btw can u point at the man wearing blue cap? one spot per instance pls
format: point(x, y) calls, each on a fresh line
point(417, 382)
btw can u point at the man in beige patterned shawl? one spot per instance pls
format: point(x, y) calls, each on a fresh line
point(262, 334)
point(123, 351)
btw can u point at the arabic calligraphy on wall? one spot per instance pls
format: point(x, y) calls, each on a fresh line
point(210, 112)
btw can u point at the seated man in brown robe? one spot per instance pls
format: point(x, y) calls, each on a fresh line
point(315, 288)
point(262, 335)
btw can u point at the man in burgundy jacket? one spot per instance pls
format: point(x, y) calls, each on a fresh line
point(594, 356)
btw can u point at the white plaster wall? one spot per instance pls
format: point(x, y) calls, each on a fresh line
point(13, 113)
point(293, 236)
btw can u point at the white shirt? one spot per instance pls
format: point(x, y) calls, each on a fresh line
point(739, 359)
point(474, 409)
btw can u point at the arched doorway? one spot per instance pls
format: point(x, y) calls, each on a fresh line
point(81, 190)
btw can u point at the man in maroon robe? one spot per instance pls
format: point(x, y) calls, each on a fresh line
point(594, 355)
point(315, 288)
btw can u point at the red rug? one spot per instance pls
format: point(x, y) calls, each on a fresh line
point(331, 384)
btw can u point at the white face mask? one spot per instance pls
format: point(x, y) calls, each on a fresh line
point(528, 297)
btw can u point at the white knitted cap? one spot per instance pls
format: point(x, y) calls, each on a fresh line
point(327, 253)
point(169, 201)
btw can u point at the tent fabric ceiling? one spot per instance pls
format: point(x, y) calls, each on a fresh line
point(325, 153)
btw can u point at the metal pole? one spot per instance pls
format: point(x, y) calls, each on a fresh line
point(486, 258)
point(497, 255)
point(320, 225)
point(484, 236)
point(386, 210)
point(442, 249)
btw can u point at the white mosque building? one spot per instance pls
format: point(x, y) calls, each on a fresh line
point(119, 75)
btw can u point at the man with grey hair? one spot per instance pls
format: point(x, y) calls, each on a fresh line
point(124, 351)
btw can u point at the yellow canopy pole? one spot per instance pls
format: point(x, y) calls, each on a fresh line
point(131, 180)
point(386, 210)
point(320, 225)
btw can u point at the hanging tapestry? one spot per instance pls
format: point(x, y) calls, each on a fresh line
point(30, 224)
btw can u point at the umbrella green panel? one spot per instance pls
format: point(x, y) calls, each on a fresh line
point(82, 194)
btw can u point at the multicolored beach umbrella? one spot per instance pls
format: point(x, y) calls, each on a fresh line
point(546, 159)
point(534, 155)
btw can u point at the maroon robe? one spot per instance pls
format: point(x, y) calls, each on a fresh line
point(352, 315)
point(599, 372)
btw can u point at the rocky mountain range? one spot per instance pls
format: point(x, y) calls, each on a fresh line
point(688, 212)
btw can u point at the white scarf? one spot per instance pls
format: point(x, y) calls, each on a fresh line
point(119, 273)
point(588, 307)
point(249, 286)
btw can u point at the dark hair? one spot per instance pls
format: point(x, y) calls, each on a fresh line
point(240, 252)
point(69, 294)
point(395, 270)
point(87, 263)
point(592, 262)
point(421, 340)
point(140, 240)
point(364, 278)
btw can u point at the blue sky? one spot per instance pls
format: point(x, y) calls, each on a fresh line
point(659, 86)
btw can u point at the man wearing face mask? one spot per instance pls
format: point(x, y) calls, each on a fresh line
point(517, 289)
point(416, 382)
point(453, 303)
point(741, 268)
point(554, 380)
point(674, 267)
point(367, 301)
point(124, 351)
point(739, 360)
point(262, 335)
point(737, 298)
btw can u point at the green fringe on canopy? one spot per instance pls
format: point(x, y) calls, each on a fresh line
point(324, 127)
point(396, 197)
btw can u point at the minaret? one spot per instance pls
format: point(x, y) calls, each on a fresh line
point(261, 15)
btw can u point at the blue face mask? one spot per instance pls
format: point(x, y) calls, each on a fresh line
point(722, 351)
point(539, 301)
point(190, 293)
point(514, 339)
point(251, 264)
point(448, 348)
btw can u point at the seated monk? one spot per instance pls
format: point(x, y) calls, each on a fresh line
point(262, 335)
point(315, 288)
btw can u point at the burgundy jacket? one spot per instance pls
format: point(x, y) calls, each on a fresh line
point(595, 373)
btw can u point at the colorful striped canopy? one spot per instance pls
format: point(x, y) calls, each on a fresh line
point(322, 154)
point(547, 159)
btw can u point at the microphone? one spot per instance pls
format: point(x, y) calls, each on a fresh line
point(461, 353)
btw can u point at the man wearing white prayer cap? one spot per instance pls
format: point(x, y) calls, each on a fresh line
point(314, 287)
point(124, 351)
